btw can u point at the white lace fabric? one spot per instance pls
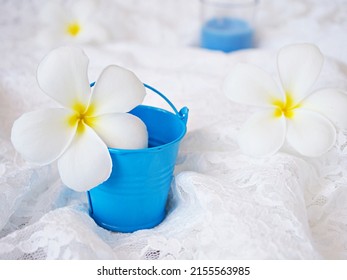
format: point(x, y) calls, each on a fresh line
point(222, 204)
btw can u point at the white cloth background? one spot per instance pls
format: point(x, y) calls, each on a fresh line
point(223, 205)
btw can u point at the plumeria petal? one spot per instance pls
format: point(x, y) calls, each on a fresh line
point(42, 136)
point(251, 85)
point(310, 133)
point(86, 163)
point(332, 103)
point(299, 67)
point(263, 134)
point(117, 91)
point(83, 10)
point(52, 13)
point(62, 74)
point(121, 131)
point(92, 32)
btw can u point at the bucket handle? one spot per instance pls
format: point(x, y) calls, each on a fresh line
point(182, 114)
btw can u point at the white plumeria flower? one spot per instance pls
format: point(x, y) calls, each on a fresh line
point(289, 113)
point(80, 132)
point(71, 23)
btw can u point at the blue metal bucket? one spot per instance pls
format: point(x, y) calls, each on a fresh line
point(135, 195)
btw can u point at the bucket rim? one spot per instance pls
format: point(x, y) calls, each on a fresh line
point(156, 148)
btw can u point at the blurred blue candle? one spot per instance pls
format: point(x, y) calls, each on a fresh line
point(226, 34)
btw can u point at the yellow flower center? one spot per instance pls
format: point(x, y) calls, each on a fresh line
point(73, 29)
point(81, 117)
point(286, 108)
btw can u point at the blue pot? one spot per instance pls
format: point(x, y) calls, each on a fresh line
point(135, 195)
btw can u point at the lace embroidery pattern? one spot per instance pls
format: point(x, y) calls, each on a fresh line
point(222, 205)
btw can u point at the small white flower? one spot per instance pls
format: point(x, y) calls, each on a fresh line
point(80, 132)
point(289, 113)
point(70, 22)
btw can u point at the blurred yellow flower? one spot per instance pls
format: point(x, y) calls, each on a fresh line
point(70, 22)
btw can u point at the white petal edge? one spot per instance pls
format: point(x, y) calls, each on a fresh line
point(250, 85)
point(121, 131)
point(263, 134)
point(42, 136)
point(310, 133)
point(62, 75)
point(117, 90)
point(86, 163)
point(299, 66)
point(52, 13)
point(84, 10)
point(92, 32)
point(332, 103)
